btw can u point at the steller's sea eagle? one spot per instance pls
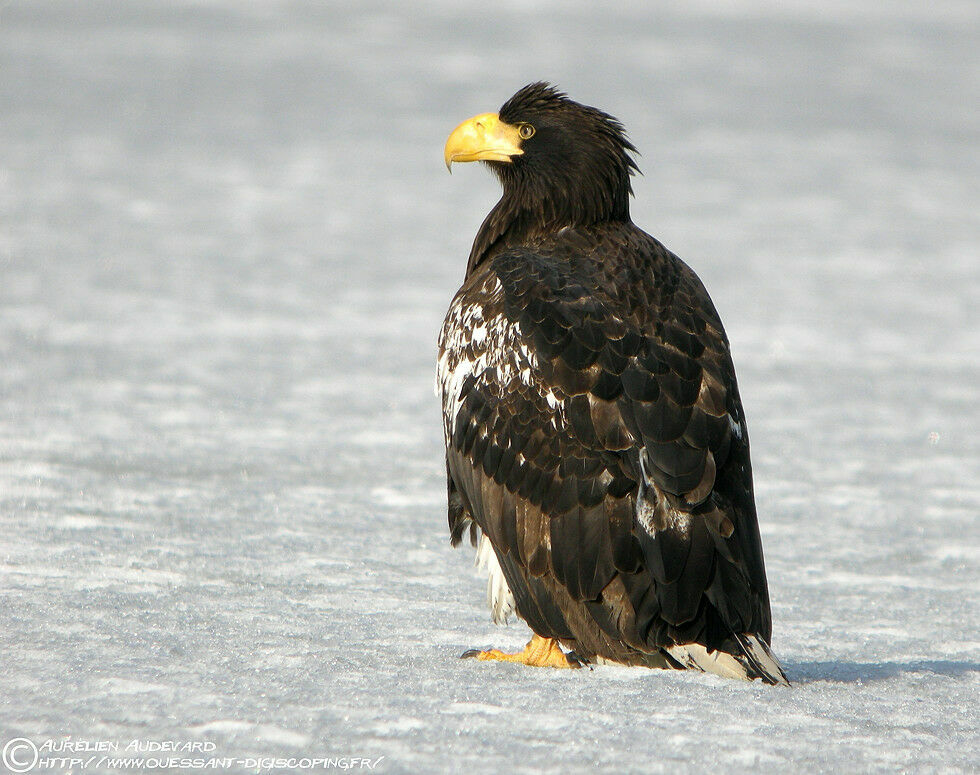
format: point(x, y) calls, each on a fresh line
point(596, 448)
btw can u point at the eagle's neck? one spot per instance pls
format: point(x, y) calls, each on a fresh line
point(507, 225)
point(530, 210)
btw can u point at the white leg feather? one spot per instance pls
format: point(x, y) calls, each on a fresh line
point(499, 596)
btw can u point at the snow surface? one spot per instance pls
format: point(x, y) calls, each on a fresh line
point(227, 241)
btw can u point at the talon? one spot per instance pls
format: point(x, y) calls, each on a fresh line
point(539, 652)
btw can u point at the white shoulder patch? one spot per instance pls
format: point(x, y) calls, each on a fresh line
point(470, 343)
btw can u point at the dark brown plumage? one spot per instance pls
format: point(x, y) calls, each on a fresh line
point(594, 432)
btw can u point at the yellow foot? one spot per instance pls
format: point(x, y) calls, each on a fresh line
point(539, 652)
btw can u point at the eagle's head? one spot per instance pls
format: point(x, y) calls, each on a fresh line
point(560, 162)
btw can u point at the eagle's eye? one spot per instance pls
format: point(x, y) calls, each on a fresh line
point(526, 131)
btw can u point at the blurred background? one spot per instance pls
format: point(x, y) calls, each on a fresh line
point(227, 242)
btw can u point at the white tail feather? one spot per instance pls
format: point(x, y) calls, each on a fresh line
point(757, 651)
point(694, 656)
point(756, 661)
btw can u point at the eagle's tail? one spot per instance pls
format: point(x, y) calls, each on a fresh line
point(752, 658)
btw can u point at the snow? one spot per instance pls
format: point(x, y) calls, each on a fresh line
point(227, 241)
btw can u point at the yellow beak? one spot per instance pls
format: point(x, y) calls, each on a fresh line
point(483, 138)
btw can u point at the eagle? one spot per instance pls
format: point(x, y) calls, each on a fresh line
point(596, 448)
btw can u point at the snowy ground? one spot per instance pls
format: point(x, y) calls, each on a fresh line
point(227, 240)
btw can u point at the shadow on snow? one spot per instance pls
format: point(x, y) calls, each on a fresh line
point(861, 672)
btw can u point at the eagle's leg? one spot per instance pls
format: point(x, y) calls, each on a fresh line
point(539, 652)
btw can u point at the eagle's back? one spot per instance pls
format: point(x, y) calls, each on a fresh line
point(595, 436)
